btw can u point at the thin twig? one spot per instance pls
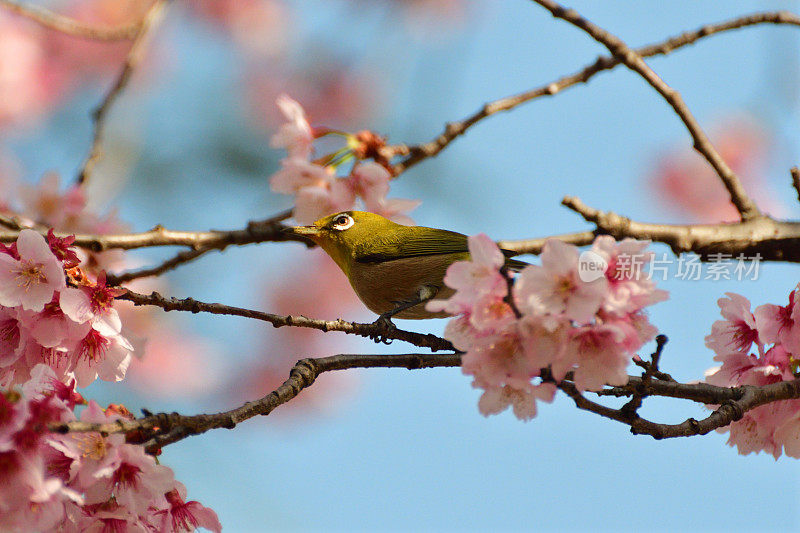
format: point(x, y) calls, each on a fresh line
point(63, 24)
point(417, 153)
point(641, 391)
point(135, 54)
point(422, 340)
point(179, 259)
point(166, 428)
point(746, 207)
point(271, 226)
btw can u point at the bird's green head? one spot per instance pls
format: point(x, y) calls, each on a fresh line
point(345, 235)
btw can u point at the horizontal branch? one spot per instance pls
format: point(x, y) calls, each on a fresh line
point(269, 230)
point(774, 240)
point(377, 330)
point(63, 24)
point(163, 429)
point(187, 256)
point(534, 246)
point(417, 153)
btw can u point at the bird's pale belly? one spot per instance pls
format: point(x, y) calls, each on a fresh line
point(382, 286)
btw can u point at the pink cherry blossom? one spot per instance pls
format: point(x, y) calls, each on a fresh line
point(51, 328)
point(559, 323)
point(737, 332)
point(781, 324)
point(62, 249)
point(12, 336)
point(685, 183)
point(394, 209)
point(183, 516)
point(312, 203)
point(498, 359)
point(262, 27)
point(601, 353)
point(132, 477)
point(32, 280)
point(788, 432)
point(27, 86)
point(297, 174)
point(555, 287)
point(522, 401)
point(629, 288)
point(296, 135)
point(46, 203)
point(106, 357)
point(370, 181)
point(773, 427)
point(30, 498)
point(93, 304)
point(479, 276)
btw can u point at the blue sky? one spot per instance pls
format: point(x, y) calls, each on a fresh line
point(410, 451)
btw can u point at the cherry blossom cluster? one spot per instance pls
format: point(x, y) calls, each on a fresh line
point(553, 319)
point(81, 481)
point(74, 330)
point(773, 332)
point(318, 190)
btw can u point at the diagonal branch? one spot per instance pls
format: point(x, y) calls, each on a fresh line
point(135, 54)
point(63, 24)
point(746, 207)
point(165, 266)
point(417, 153)
point(163, 429)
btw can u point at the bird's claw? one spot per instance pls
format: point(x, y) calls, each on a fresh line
point(383, 326)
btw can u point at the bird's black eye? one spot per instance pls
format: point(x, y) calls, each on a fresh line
point(342, 222)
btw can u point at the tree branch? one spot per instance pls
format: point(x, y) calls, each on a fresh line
point(795, 172)
point(762, 237)
point(135, 54)
point(175, 261)
point(417, 153)
point(269, 230)
point(422, 340)
point(186, 256)
point(63, 24)
point(159, 430)
point(534, 246)
point(162, 429)
point(733, 403)
point(746, 207)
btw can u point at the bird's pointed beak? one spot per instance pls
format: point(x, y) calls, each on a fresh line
point(309, 232)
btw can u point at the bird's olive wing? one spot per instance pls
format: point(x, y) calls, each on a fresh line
point(419, 241)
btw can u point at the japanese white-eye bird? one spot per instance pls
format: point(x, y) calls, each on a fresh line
point(394, 269)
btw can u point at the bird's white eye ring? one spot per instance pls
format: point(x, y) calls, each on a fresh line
point(343, 222)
